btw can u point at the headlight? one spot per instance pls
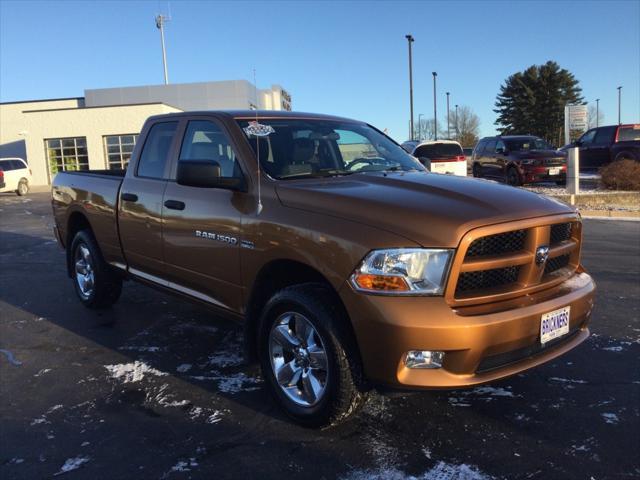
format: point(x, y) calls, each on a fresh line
point(403, 271)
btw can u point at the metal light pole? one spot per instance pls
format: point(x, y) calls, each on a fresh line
point(597, 112)
point(457, 134)
point(435, 109)
point(448, 131)
point(420, 115)
point(160, 21)
point(410, 40)
point(619, 95)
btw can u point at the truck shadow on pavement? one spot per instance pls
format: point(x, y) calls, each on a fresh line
point(156, 385)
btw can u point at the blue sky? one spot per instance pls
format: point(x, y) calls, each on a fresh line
point(345, 58)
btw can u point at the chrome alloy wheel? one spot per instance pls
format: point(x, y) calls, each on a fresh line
point(298, 359)
point(84, 270)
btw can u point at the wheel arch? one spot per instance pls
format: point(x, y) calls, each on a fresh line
point(272, 277)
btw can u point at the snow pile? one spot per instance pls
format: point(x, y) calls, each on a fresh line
point(72, 464)
point(441, 471)
point(611, 418)
point(132, 372)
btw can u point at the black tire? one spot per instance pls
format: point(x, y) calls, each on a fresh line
point(23, 187)
point(344, 391)
point(107, 284)
point(476, 170)
point(513, 177)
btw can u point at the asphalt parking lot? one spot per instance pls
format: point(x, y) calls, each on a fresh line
point(156, 388)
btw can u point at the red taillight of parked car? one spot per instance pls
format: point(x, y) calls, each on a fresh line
point(461, 158)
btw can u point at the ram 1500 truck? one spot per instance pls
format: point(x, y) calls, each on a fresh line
point(349, 264)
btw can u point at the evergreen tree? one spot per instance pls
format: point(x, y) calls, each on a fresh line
point(533, 101)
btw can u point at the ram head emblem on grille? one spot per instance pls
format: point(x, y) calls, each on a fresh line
point(542, 254)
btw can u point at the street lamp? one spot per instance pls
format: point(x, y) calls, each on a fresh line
point(160, 21)
point(435, 110)
point(410, 40)
point(448, 131)
point(420, 115)
point(597, 112)
point(619, 95)
point(457, 133)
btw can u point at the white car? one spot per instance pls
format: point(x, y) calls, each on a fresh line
point(17, 176)
point(442, 156)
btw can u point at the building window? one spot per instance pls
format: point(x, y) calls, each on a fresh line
point(117, 150)
point(67, 154)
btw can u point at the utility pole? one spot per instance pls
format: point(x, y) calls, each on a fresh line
point(435, 109)
point(410, 40)
point(160, 21)
point(420, 115)
point(448, 130)
point(619, 95)
point(597, 112)
point(457, 133)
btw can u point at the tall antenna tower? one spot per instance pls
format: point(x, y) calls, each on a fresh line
point(160, 21)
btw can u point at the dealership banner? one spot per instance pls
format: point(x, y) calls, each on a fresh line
point(575, 122)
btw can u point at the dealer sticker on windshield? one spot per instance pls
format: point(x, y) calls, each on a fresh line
point(554, 324)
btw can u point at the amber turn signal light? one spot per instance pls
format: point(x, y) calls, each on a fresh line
point(385, 283)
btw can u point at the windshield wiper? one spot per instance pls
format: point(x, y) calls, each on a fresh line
point(320, 174)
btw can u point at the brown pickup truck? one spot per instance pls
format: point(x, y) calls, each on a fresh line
point(349, 264)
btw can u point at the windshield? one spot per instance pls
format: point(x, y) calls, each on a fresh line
point(526, 144)
point(298, 148)
point(439, 150)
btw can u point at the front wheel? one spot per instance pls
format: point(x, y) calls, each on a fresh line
point(96, 285)
point(308, 359)
point(513, 177)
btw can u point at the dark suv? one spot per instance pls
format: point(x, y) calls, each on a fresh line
point(519, 159)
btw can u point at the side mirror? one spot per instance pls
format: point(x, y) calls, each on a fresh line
point(204, 174)
point(426, 162)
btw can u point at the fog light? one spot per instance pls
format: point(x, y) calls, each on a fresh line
point(424, 359)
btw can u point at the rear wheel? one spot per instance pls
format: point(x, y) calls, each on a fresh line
point(624, 156)
point(308, 360)
point(23, 187)
point(513, 177)
point(96, 284)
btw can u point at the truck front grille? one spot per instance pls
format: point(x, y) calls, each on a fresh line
point(499, 262)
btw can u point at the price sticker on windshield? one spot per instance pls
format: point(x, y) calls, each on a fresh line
point(258, 129)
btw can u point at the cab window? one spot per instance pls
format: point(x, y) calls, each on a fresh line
point(153, 159)
point(587, 138)
point(204, 141)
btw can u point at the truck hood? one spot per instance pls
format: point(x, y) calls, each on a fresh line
point(429, 209)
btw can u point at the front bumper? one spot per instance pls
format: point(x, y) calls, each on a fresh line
point(541, 174)
point(479, 347)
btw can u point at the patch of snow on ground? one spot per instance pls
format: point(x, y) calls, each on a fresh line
point(132, 372)
point(616, 348)
point(72, 464)
point(185, 367)
point(567, 380)
point(611, 418)
point(184, 466)
point(215, 417)
point(441, 471)
point(16, 461)
point(490, 391)
point(238, 383)
point(143, 348)
point(42, 372)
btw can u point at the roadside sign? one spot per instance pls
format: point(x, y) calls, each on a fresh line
point(576, 122)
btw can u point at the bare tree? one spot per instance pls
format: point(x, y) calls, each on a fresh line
point(591, 117)
point(466, 128)
point(425, 130)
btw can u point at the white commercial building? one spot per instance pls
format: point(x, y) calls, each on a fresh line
point(98, 131)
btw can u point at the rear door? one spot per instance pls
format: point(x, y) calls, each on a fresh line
point(202, 226)
point(599, 153)
point(140, 203)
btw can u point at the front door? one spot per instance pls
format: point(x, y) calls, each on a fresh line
point(202, 226)
point(140, 214)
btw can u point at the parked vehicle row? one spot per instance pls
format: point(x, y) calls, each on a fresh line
point(15, 176)
point(348, 263)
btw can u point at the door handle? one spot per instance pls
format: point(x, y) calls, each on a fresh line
point(129, 197)
point(174, 204)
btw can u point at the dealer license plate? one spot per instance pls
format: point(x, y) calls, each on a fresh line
point(554, 324)
point(554, 171)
